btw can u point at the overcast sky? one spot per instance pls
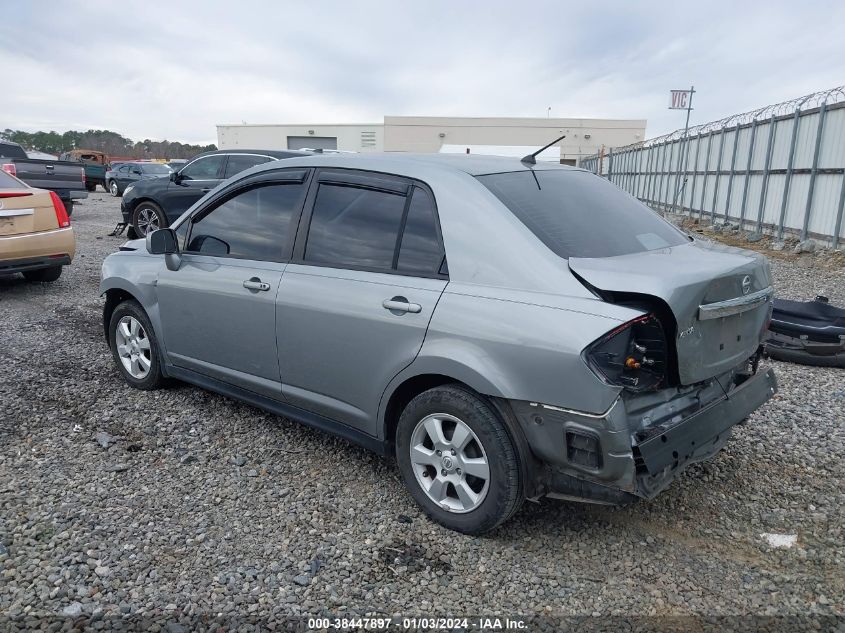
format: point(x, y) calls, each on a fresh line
point(173, 70)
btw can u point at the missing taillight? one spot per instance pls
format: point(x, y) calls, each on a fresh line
point(633, 356)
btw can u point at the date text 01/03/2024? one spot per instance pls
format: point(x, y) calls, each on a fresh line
point(418, 623)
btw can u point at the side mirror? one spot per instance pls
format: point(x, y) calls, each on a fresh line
point(174, 176)
point(162, 242)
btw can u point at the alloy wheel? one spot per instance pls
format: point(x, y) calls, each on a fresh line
point(450, 463)
point(133, 347)
point(147, 221)
point(113, 189)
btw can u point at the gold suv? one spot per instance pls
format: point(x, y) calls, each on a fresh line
point(36, 238)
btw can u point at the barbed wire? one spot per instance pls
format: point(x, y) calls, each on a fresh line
point(814, 100)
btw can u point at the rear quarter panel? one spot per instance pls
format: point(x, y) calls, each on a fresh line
point(521, 347)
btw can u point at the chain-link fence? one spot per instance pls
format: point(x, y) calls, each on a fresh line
point(773, 170)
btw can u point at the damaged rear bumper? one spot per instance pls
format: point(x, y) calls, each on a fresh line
point(639, 446)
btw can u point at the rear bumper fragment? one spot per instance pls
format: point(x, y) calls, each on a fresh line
point(636, 448)
point(683, 441)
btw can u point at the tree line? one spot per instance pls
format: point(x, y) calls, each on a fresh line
point(106, 141)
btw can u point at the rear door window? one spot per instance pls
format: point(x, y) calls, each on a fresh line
point(240, 162)
point(354, 227)
point(578, 214)
point(420, 251)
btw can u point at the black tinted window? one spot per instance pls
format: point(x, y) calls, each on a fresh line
point(239, 162)
point(10, 150)
point(578, 214)
point(203, 168)
point(356, 227)
point(420, 251)
point(255, 224)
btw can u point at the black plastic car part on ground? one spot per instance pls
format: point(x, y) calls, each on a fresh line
point(809, 332)
point(157, 202)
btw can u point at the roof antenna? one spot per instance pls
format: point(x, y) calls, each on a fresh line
point(531, 159)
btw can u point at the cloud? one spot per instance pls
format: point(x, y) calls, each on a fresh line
point(175, 70)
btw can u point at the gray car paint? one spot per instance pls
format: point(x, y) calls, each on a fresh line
point(511, 322)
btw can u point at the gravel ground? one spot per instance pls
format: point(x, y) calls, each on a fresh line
point(196, 504)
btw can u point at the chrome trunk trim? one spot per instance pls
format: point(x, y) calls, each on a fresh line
point(734, 306)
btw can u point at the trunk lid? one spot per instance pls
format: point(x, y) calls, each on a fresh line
point(26, 211)
point(720, 297)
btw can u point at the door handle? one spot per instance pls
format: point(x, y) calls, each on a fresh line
point(256, 284)
point(206, 190)
point(401, 304)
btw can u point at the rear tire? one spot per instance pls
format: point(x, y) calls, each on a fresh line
point(69, 207)
point(470, 485)
point(113, 189)
point(135, 348)
point(43, 274)
point(90, 186)
point(148, 217)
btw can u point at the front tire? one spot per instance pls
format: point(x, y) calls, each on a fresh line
point(147, 217)
point(43, 274)
point(135, 348)
point(458, 460)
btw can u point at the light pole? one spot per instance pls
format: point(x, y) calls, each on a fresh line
point(677, 103)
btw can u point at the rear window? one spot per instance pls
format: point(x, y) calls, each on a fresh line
point(11, 150)
point(578, 214)
point(7, 182)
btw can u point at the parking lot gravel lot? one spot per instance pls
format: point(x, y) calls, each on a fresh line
point(180, 502)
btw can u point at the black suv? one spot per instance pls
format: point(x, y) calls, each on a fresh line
point(151, 204)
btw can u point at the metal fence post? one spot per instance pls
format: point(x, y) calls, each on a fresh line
point(731, 176)
point(766, 169)
point(652, 151)
point(694, 175)
point(664, 172)
point(610, 166)
point(814, 171)
point(747, 172)
point(704, 181)
point(796, 121)
point(837, 226)
point(686, 170)
point(718, 175)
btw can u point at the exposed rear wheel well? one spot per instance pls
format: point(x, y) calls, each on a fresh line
point(406, 392)
point(114, 297)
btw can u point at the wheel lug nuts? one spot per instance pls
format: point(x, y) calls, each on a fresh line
point(443, 472)
point(439, 452)
point(458, 471)
point(454, 452)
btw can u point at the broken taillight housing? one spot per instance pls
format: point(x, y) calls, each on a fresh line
point(633, 356)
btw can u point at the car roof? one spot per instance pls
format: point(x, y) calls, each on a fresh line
point(406, 163)
point(275, 153)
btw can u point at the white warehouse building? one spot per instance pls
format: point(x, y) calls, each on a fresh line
point(584, 137)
